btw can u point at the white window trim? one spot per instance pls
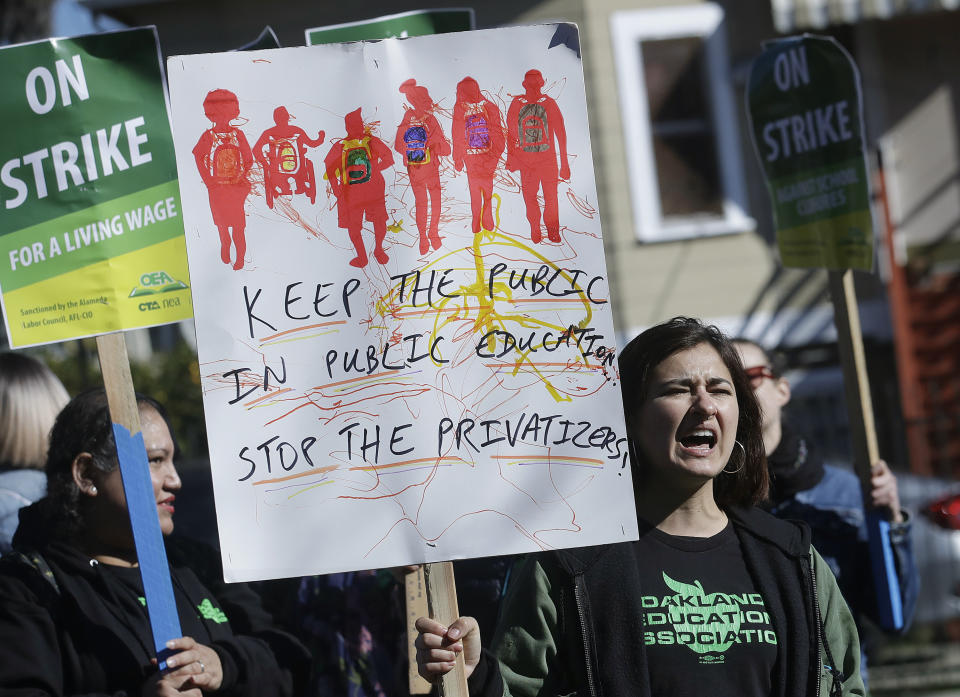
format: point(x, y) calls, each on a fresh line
point(630, 28)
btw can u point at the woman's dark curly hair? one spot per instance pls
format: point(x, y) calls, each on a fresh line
point(744, 487)
point(83, 426)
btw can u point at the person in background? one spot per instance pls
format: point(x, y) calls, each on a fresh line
point(828, 498)
point(716, 597)
point(73, 618)
point(31, 396)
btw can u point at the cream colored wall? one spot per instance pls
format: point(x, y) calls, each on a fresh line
point(722, 278)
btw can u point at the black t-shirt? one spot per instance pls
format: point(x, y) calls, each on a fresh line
point(705, 627)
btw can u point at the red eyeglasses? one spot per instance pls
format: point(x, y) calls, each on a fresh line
point(757, 373)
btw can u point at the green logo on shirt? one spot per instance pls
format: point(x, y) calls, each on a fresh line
point(209, 612)
point(706, 623)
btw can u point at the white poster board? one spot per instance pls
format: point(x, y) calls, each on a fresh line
point(455, 395)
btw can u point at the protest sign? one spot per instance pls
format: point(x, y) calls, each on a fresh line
point(406, 344)
point(805, 107)
point(91, 238)
point(399, 26)
point(805, 111)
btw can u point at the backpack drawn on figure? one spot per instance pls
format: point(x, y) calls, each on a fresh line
point(226, 160)
point(476, 132)
point(532, 125)
point(415, 138)
point(285, 155)
point(355, 164)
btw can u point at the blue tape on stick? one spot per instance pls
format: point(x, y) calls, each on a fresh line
point(151, 555)
point(883, 566)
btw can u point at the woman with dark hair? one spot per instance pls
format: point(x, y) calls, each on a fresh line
point(73, 619)
point(716, 596)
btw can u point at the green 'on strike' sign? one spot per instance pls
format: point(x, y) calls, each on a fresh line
point(804, 105)
point(91, 238)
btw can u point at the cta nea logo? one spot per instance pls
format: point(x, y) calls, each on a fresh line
point(154, 283)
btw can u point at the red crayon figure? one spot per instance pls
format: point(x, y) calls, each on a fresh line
point(223, 157)
point(534, 121)
point(282, 150)
point(354, 167)
point(478, 142)
point(420, 140)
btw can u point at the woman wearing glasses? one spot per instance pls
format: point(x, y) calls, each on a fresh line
point(716, 597)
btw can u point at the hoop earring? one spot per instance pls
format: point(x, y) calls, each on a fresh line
point(743, 460)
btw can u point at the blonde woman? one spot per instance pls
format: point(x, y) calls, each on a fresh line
point(31, 396)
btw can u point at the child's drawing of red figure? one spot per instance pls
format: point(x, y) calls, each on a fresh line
point(421, 142)
point(282, 151)
point(223, 157)
point(533, 122)
point(478, 143)
point(354, 169)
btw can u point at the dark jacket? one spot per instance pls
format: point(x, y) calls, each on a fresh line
point(64, 631)
point(833, 508)
point(571, 624)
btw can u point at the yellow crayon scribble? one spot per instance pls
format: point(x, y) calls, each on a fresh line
point(481, 304)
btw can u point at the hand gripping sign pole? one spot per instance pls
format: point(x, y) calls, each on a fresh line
point(442, 602)
point(138, 489)
point(805, 110)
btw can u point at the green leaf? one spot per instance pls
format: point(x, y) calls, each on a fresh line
point(684, 588)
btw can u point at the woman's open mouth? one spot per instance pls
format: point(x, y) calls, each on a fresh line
point(699, 442)
point(166, 505)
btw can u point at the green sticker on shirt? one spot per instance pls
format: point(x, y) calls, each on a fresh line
point(706, 623)
point(209, 612)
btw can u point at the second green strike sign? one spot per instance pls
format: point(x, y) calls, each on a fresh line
point(805, 111)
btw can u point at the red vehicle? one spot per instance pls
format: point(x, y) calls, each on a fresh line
point(944, 511)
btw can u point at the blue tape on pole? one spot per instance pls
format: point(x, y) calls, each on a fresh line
point(883, 565)
point(151, 555)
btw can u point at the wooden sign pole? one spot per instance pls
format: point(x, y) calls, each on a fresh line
point(117, 381)
point(863, 435)
point(442, 602)
point(856, 384)
point(415, 587)
point(138, 489)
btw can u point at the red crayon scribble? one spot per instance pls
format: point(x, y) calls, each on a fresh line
point(534, 122)
point(269, 395)
point(354, 165)
point(322, 470)
point(478, 143)
point(224, 159)
point(402, 463)
point(282, 151)
point(303, 328)
point(421, 142)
